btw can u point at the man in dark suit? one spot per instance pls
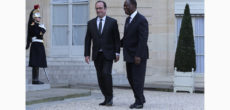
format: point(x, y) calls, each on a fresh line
point(135, 50)
point(103, 32)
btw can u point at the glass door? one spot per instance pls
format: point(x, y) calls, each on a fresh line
point(69, 23)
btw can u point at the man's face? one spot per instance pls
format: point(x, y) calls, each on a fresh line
point(101, 11)
point(127, 7)
point(38, 19)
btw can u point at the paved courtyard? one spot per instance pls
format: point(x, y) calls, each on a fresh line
point(155, 100)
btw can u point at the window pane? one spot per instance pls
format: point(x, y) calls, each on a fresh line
point(60, 35)
point(79, 35)
point(200, 64)
point(60, 1)
point(80, 14)
point(199, 45)
point(80, 0)
point(179, 20)
point(199, 26)
point(60, 14)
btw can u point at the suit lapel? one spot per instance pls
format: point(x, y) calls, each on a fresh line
point(132, 23)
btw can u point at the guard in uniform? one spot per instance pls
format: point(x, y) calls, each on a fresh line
point(35, 39)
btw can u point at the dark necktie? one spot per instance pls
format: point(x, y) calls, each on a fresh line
point(100, 26)
point(127, 22)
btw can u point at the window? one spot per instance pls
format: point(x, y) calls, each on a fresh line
point(69, 23)
point(198, 29)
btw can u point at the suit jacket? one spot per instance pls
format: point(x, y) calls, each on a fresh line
point(135, 39)
point(108, 41)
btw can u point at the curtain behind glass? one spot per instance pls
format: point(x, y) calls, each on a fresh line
point(60, 1)
point(60, 25)
point(79, 1)
point(199, 43)
point(80, 18)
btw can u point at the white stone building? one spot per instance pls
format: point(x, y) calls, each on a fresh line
point(66, 22)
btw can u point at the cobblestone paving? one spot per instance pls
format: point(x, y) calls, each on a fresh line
point(155, 100)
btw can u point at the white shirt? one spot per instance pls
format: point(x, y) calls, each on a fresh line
point(132, 16)
point(103, 22)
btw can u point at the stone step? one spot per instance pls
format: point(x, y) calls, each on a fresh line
point(65, 60)
point(32, 87)
point(65, 73)
point(54, 94)
point(69, 71)
point(65, 67)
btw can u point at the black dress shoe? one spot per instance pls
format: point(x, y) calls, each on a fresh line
point(137, 106)
point(109, 103)
point(103, 103)
point(37, 82)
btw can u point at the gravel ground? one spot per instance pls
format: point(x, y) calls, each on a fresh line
point(155, 100)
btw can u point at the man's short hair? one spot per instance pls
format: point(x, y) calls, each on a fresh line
point(133, 2)
point(105, 6)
